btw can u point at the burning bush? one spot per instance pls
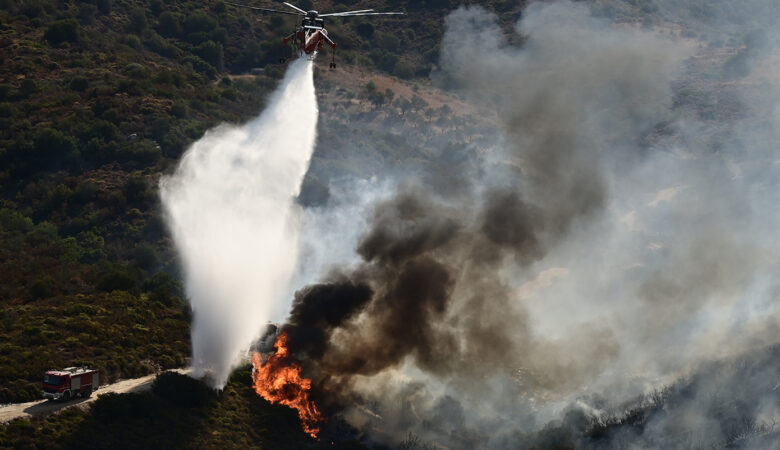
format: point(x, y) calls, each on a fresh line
point(279, 380)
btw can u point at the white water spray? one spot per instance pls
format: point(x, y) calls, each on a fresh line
point(230, 207)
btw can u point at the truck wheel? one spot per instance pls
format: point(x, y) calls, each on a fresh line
point(66, 396)
point(87, 392)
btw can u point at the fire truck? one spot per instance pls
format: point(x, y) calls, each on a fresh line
point(71, 381)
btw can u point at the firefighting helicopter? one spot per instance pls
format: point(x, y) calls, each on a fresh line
point(311, 35)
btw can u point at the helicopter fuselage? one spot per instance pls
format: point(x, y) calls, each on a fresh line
point(311, 36)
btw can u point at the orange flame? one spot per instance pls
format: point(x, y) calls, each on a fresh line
point(280, 381)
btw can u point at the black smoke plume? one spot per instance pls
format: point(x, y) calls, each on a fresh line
point(608, 242)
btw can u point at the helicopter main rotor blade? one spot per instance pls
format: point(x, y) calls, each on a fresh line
point(363, 14)
point(343, 13)
point(295, 8)
point(264, 9)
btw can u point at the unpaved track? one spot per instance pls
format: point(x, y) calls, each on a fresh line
point(45, 407)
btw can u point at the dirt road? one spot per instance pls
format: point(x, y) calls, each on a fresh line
point(45, 407)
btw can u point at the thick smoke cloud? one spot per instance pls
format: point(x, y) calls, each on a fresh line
point(614, 241)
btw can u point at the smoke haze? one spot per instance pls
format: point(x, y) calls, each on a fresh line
point(232, 212)
point(614, 241)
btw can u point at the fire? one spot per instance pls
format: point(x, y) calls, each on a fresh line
point(279, 381)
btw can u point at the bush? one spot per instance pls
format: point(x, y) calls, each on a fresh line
point(389, 42)
point(404, 70)
point(365, 30)
point(172, 77)
point(145, 257)
point(182, 390)
point(117, 278)
point(137, 71)
point(79, 84)
point(22, 426)
point(132, 41)
point(111, 406)
point(101, 129)
point(170, 24)
point(87, 13)
point(199, 65)
point(212, 53)
point(138, 20)
point(67, 30)
point(50, 144)
point(13, 221)
point(137, 189)
point(199, 22)
point(387, 62)
point(160, 45)
point(28, 87)
point(33, 9)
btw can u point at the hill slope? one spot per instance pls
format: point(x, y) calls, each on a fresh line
point(97, 99)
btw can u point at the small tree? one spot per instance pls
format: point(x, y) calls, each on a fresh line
point(418, 103)
point(212, 53)
point(389, 95)
point(370, 88)
point(170, 24)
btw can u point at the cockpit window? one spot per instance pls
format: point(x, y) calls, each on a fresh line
point(55, 380)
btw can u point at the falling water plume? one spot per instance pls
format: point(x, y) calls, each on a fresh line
point(230, 208)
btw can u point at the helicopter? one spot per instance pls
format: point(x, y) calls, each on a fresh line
point(311, 35)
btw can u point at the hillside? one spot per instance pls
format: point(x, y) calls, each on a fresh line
point(97, 99)
point(100, 98)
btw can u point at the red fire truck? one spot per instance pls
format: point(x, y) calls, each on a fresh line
point(71, 381)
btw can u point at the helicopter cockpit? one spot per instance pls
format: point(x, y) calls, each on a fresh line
point(311, 20)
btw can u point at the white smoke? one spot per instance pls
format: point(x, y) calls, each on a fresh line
point(230, 207)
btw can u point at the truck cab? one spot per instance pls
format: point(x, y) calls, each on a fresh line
point(69, 382)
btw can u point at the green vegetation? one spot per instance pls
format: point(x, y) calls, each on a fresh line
point(94, 106)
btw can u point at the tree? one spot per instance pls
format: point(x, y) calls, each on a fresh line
point(370, 88)
point(170, 24)
point(212, 53)
point(404, 70)
point(404, 105)
point(389, 42)
point(51, 143)
point(389, 95)
point(387, 62)
point(418, 103)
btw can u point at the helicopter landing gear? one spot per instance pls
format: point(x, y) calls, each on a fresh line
point(333, 54)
